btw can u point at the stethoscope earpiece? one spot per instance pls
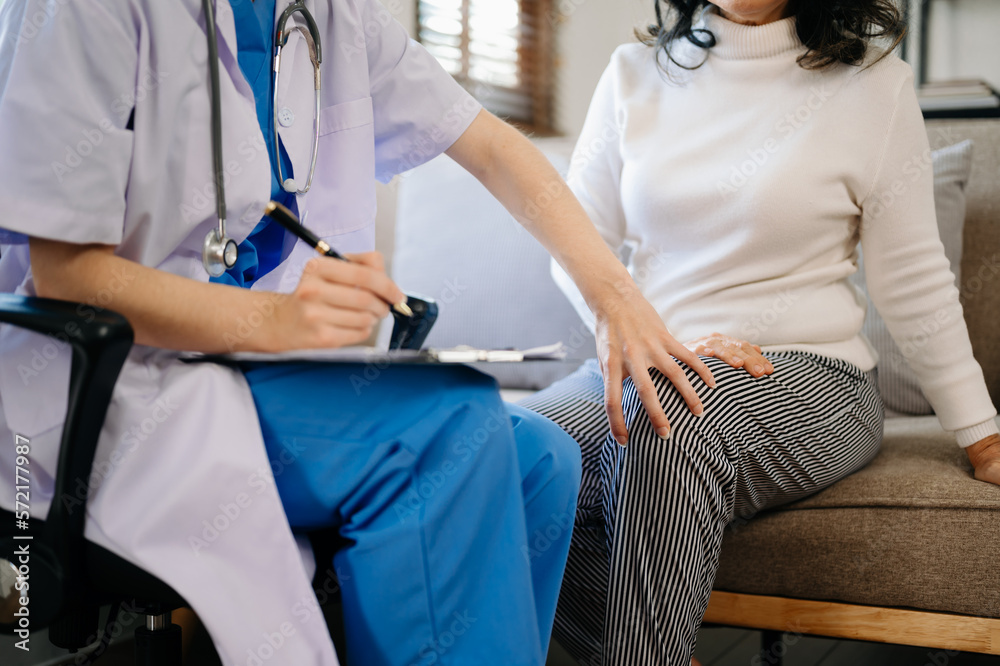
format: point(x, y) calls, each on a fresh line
point(290, 185)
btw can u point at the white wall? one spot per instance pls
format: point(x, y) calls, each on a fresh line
point(965, 40)
point(587, 34)
point(965, 43)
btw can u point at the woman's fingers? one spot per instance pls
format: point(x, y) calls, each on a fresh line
point(756, 363)
point(985, 458)
point(684, 354)
point(613, 401)
point(637, 367)
point(734, 357)
point(989, 472)
point(673, 372)
point(646, 390)
point(737, 353)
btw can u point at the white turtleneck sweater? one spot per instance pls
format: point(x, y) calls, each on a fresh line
point(743, 188)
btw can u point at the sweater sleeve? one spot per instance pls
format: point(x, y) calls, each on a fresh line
point(910, 281)
point(595, 178)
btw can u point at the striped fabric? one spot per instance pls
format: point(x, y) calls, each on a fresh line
point(651, 515)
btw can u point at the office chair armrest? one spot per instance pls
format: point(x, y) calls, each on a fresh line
point(100, 342)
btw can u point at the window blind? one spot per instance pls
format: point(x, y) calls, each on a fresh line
point(499, 50)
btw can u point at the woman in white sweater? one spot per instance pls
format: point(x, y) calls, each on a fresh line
point(740, 154)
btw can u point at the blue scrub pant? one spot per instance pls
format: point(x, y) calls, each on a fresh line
point(457, 509)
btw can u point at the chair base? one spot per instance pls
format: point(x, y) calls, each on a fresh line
point(946, 631)
point(75, 630)
point(160, 647)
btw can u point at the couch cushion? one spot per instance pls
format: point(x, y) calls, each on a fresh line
point(912, 529)
point(457, 244)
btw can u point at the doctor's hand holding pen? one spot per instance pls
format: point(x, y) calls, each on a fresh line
point(336, 303)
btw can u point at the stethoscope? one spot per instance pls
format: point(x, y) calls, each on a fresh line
point(219, 253)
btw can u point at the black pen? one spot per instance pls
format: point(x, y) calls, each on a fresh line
point(289, 221)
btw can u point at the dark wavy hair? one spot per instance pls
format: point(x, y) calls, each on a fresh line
point(833, 32)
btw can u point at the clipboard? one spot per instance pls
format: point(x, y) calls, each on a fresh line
point(372, 355)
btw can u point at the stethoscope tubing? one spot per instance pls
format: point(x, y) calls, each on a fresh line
point(280, 38)
point(219, 252)
point(213, 72)
point(316, 57)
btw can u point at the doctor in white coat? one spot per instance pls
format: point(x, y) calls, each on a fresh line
point(106, 168)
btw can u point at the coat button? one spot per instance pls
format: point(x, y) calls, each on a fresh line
point(286, 117)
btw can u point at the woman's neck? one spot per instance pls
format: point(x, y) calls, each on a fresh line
point(769, 13)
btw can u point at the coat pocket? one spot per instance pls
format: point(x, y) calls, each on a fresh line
point(346, 116)
point(343, 196)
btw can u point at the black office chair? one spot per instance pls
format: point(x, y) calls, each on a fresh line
point(69, 577)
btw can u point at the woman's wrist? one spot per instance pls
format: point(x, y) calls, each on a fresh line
point(606, 291)
point(972, 435)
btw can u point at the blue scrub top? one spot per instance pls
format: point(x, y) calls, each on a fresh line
point(262, 250)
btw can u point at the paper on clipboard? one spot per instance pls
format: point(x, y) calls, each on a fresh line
point(553, 352)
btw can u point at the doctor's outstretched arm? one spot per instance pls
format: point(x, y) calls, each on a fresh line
point(631, 337)
point(336, 303)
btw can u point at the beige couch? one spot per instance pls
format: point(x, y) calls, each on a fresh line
point(908, 549)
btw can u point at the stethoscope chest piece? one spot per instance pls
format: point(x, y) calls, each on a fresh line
point(219, 253)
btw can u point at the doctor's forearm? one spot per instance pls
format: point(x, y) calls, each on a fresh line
point(630, 334)
point(165, 310)
point(524, 181)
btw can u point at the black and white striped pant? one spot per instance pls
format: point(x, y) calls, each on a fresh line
point(651, 515)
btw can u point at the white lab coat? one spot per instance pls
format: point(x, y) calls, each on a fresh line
point(182, 485)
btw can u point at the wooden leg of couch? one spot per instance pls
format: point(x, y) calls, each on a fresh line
point(863, 623)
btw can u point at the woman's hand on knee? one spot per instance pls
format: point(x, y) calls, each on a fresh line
point(631, 339)
point(336, 303)
point(737, 353)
